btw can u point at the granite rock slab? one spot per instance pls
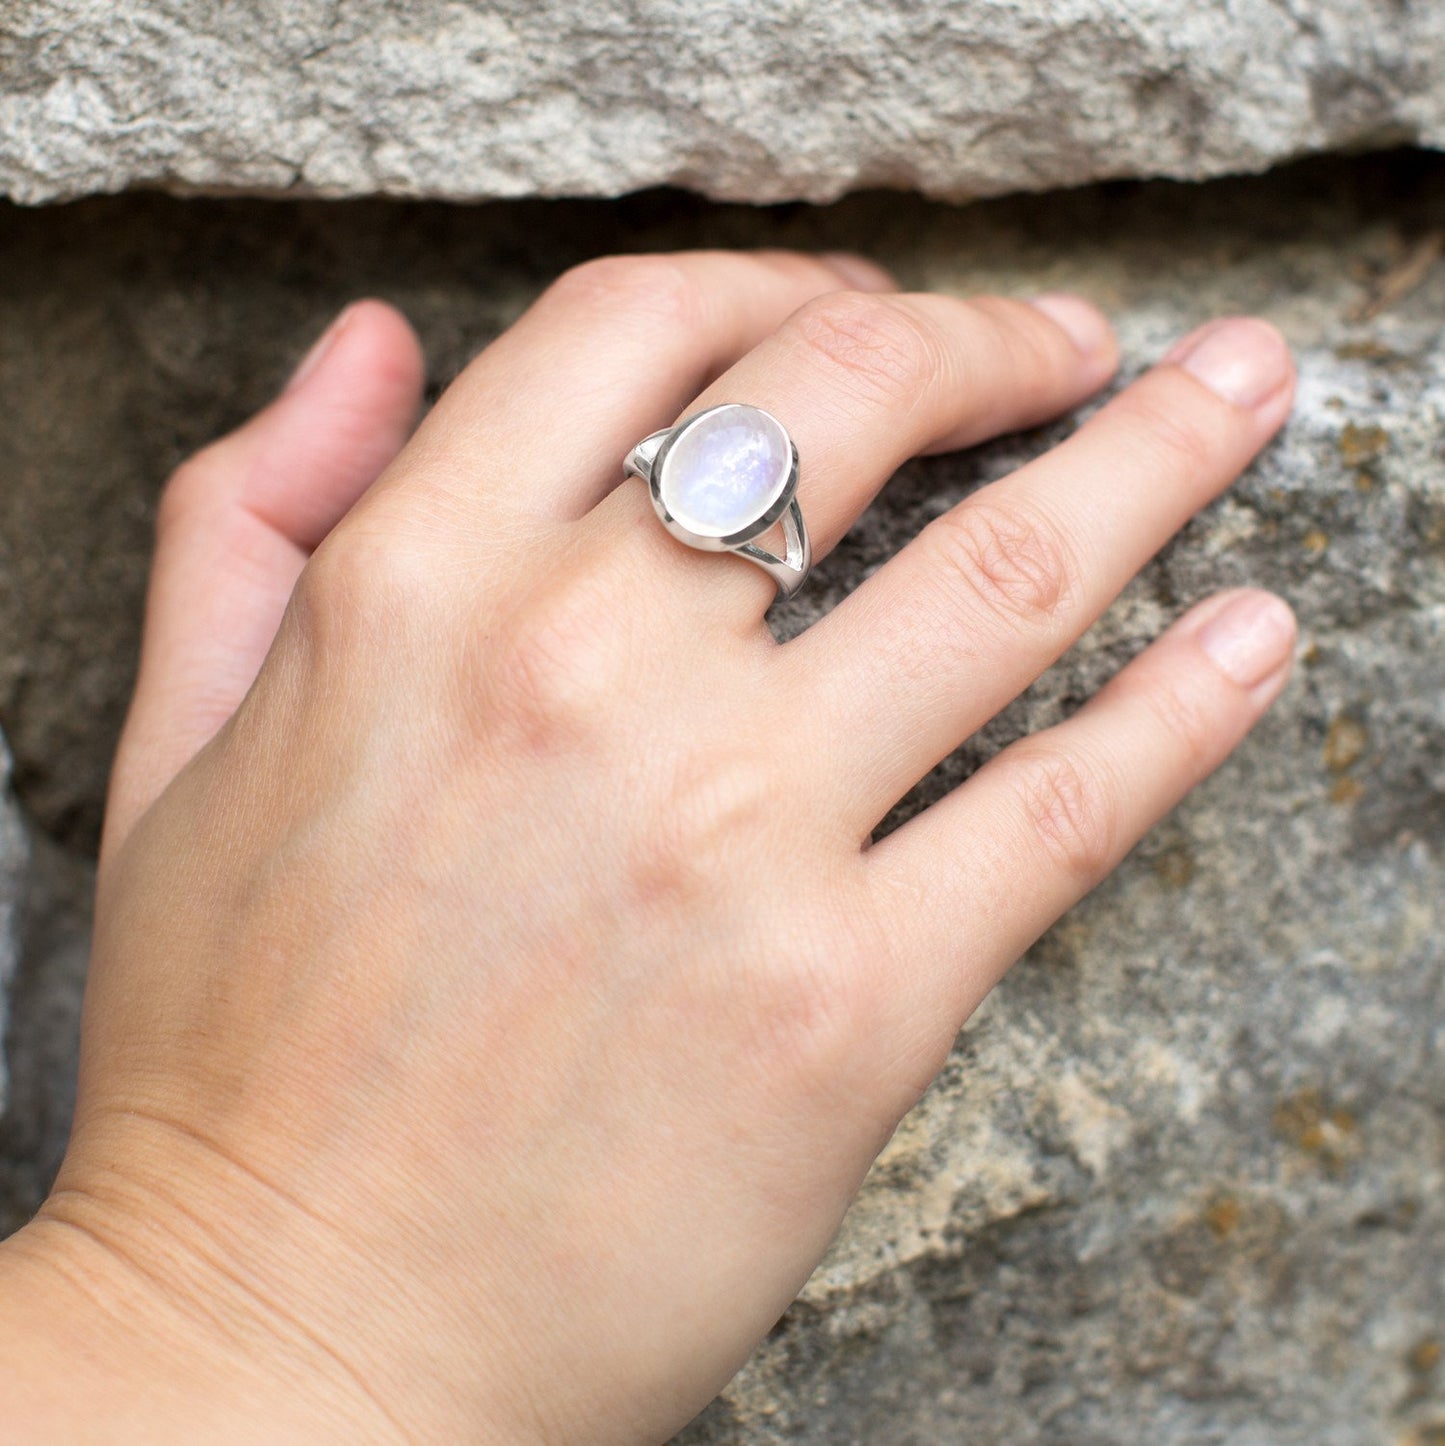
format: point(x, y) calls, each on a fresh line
point(1183, 1179)
point(952, 98)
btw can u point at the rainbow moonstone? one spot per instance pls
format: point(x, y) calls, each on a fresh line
point(724, 470)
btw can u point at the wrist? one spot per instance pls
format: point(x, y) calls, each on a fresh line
point(92, 1336)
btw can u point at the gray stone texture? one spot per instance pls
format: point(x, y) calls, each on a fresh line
point(14, 872)
point(44, 938)
point(807, 99)
point(1183, 1180)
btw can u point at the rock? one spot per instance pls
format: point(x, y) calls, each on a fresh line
point(805, 101)
point(44, 929)
point(14, 869)
point(1181, 1181)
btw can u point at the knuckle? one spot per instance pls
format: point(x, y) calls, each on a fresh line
point(1172, 434)
point(811, 1016)
point(190, 488)
point(1041, 362)
point(1024, 340)
point(555, 672)
point(315, 607)
point(360, 583)
point(813, 1020)
point(1183, 717)
point(1015, 564)
point(884, 348)
point(797, 988)
point(1068, 808)
point(657, 287)
point(710, 817)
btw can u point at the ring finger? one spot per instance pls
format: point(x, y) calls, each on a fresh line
point(863, 382)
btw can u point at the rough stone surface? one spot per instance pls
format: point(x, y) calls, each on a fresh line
point(14, 871)
point(955, 98)
point(44, 936)
point(1182, 1179)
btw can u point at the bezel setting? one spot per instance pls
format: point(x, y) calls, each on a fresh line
point(756, 526)
point(649, 459)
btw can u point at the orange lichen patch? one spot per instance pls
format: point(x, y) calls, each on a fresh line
point(1308, 1122)
point(1174, 867)
point(1300, 1112)
point(1367, 350)
point(1364, 482)
point(1424, 1356)
point(1346, 790)
point(1222, 1217)
point(1345, 744)
point(1359, 445)
point(1315, 541)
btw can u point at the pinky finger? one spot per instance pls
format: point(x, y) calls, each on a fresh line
point(970, 883)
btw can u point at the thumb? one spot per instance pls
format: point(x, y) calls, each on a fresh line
point(234, 528)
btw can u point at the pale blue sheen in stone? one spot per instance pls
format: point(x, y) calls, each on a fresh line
point(724, 471)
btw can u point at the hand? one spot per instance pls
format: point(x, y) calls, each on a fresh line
point(496, 1000)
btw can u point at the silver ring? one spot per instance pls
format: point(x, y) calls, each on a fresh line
point(722, 478)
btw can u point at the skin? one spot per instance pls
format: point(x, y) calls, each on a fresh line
point(496, 999)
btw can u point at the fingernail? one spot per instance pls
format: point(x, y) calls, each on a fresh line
point(1244, 360)
point(319, 349)
point(1086, 325)
point(859, 272)
point(1250, 638)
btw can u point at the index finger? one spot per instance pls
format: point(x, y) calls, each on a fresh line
point(536, 425)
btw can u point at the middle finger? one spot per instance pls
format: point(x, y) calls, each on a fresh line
point(992, 592)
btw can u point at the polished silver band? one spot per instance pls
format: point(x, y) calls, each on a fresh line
point(720, 479)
